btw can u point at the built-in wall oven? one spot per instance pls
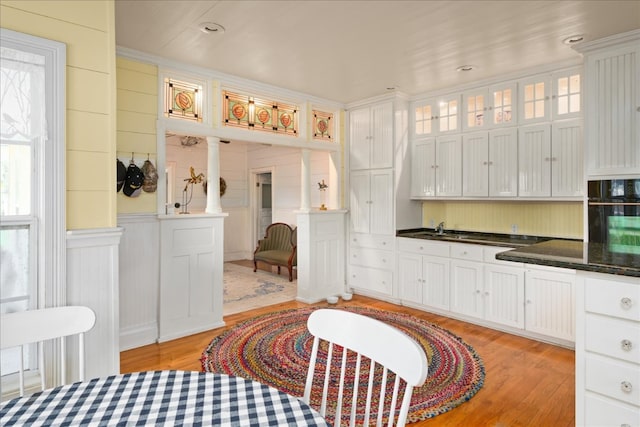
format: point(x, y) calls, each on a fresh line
point(614, 214)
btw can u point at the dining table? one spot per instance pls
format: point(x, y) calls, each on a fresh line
point(160, 398)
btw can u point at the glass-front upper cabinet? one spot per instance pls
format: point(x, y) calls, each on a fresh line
point(567, 94)
point(535, 97)
point(436, 116)
point(488, 108)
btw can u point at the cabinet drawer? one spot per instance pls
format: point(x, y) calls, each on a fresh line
point(465, 251)
point(613, 337)
point(375, 258)
point(613, 298)
point(613, 378)
point(424, 247)
point(600, 411)
point(374, 241)
point(371, 279)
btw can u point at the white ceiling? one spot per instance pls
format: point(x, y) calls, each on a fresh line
point(351, 50)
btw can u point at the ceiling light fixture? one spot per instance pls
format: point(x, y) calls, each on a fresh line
point(211, 28)
point(571, 40)
point(466, 68)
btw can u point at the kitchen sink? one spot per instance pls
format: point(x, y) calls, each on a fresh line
point(485, 238)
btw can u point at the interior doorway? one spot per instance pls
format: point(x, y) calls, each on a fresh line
point(264, 200)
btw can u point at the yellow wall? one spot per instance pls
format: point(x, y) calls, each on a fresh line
point(88, 30)
point(137, 84)
point(556, 219)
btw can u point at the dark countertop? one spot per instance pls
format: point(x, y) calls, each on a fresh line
point(577, 255)
point(493, 239)
point(553, 252)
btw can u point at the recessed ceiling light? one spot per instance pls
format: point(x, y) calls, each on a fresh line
point(466, 68)
point(211, 28)
point(573, 39)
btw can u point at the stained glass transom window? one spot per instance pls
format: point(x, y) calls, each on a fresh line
point(182, 100)
point(258, 114)
point(322, 126)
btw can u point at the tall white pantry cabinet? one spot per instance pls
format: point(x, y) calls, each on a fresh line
point(378, 193)
point(608, 306)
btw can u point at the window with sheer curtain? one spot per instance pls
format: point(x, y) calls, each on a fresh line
point(31, 150)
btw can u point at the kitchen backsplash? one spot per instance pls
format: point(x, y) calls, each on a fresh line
point(557, 219)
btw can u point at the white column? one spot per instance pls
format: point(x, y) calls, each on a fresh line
point(213, 175)
point(305, 178)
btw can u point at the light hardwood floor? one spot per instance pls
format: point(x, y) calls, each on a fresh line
point(528, 383)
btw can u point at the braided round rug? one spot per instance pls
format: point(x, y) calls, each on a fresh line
point(275, 349)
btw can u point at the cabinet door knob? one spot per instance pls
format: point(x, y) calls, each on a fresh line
point(626, 386)
point(626, 345)
point(626, 303)
point(477, 291)
point(421, 247)
point(485, 163)
point(384, 260)
point(384, 243)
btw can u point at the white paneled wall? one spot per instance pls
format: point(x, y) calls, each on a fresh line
point(139, 278)
point(92, 280)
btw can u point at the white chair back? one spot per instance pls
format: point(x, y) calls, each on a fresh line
point(383, 344)
point(36, 326)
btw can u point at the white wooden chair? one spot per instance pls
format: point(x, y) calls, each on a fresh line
point(36, 326)
point(383, 344)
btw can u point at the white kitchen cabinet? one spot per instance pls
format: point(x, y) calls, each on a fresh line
point(504, 295)
point(612, 104)
point(448, 167)
point(371, 263)
point(489, 107)
point(436, 116)
point(534, 161)
point(535, 99)
point(567, 94)
point(567, 159)
point(467, 288)
point(475, 164)
point(550, 303)
point(550, 160)
point(371, 139)
point(490, 163)
point(436, 167)
point(372, 201)
point(423, 275)
point(482, 287)
point(424, 280)
point(423, 175)
point(607, 350)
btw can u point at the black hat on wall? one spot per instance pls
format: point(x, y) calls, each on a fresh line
point(133, 181)
point(121, 174)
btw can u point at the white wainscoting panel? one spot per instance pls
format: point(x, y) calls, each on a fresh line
point(321, 254)
point(92, 281)
point(191, 265)
point(139, 279)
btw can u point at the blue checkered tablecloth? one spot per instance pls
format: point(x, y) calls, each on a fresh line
point(169, 398)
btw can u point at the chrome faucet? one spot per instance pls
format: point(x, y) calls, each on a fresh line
point(440, 228)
